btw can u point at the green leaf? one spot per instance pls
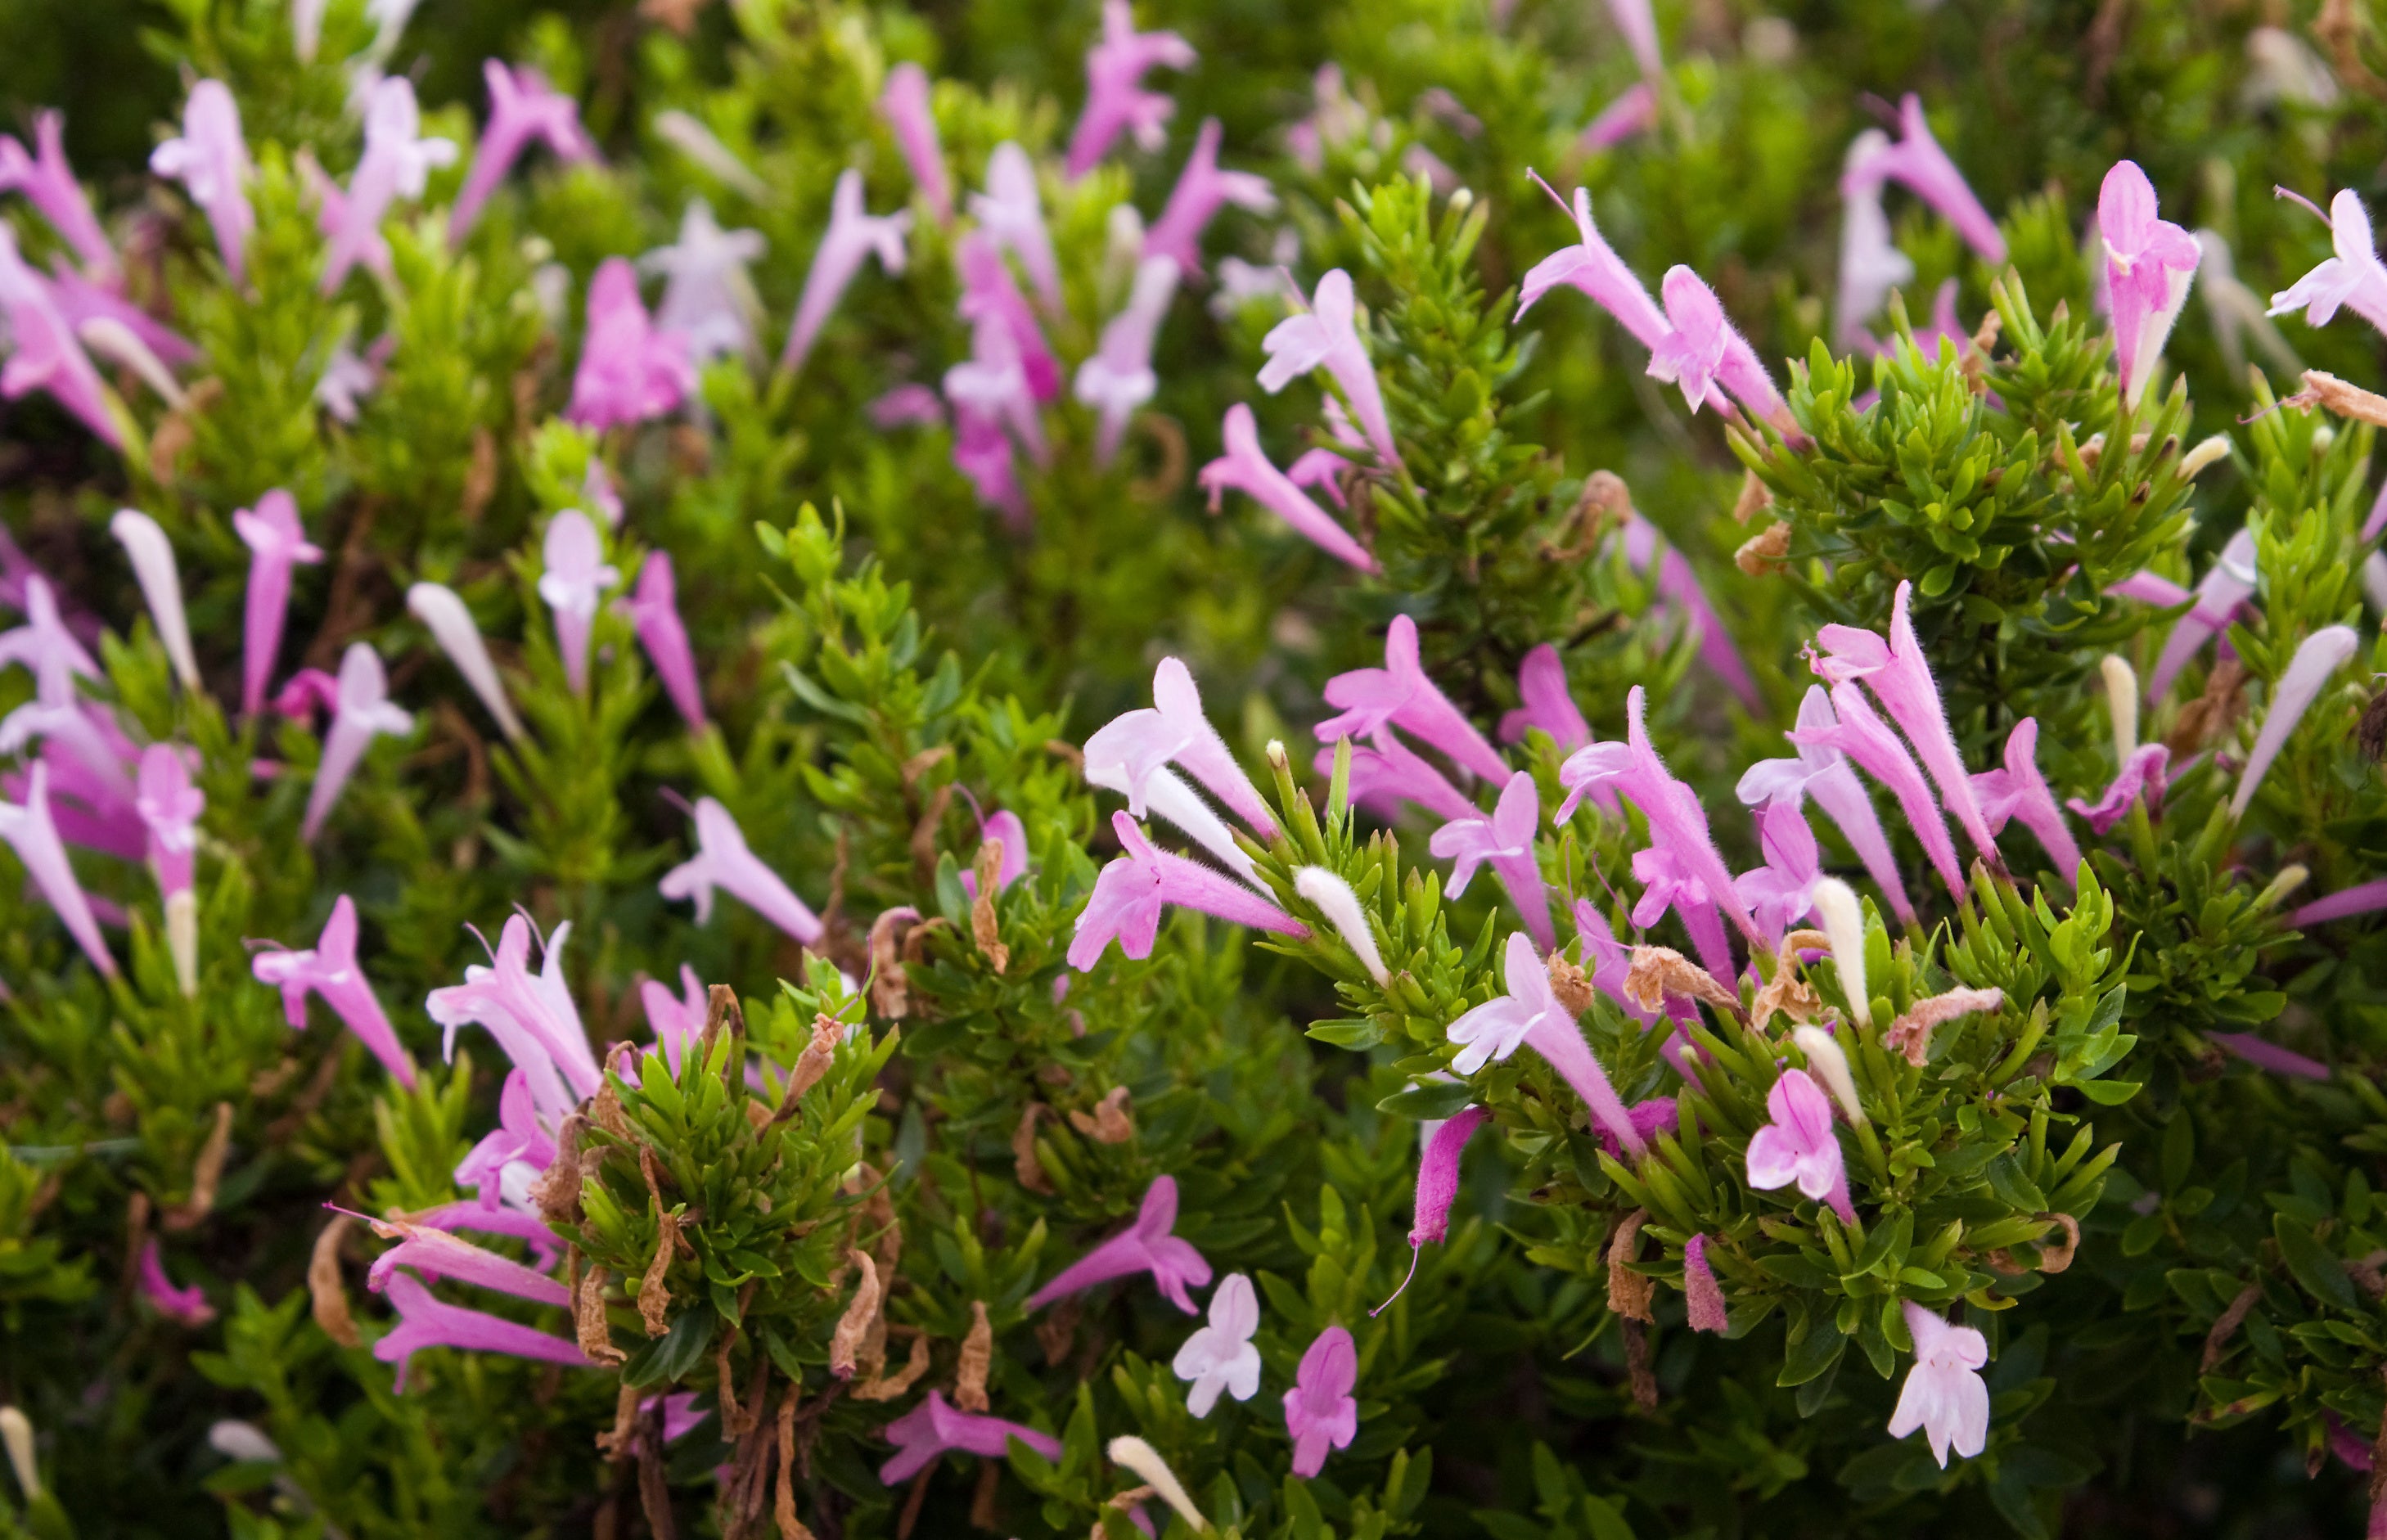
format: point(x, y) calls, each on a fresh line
point(1432, 1102)
point(2314, 1264)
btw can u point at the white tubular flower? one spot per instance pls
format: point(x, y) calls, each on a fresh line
point(1843, 917)
point(2122, 699)
point(161, 586)
point(442, 609)
point(1145, 1461)
point(1335, 898)
point(1830, 1064)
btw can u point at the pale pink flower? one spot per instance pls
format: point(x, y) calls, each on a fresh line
point(364, 713)
point(2221, 594)
point(169, 807)
point(397, 163)
point(436, 1254)
point(853, 234)
point(44, 351)
point(723, 861)
point(1118, 378)
point(1174, 730)
point(2355, 278)
point(1541, 687)
point(34, 835)
point(1319, 1410)
point(1384, 774)
point(2361, 899)
point(49, 184)
point(531, 1015)
point(573, 581)
point(2320, 655)
point(1246, 468)
point(654, 612)
point(1639, 21)
point(1861, 734)
point(1529, 1016)
point(933, 1427)
point(629, 371)
point(1012, 213)
point(211, 161)
point(188, 1307)
point(1328, 336)
point(1800, 1144)
point(1131, 893)
point(1400, 695)
point(1679, 587)
point(443, 612)
point(707, 296)
point(1145, 1245)
point(151, 553)
point(1593, 266)
point(1668, 882)
point(329, 968)
point(1704, 350)
point(1506, 841)
point(510, 1157)
point(1115, 100)
point(1780, 893)
point(991, 297)
point(524, 110)
point(905, 104)
point(1917, 160)
point(1871, 264)
point(276, 542)
point(2149, 265)
point(675, 1023)
point(1944, 1394)
point(2020, 791)
point(2142, 774)
point(1635, 111)
point(424, 1321)
point(1822, 772)
point(908, 406)
point(1219, 1356)
point(1202, 189)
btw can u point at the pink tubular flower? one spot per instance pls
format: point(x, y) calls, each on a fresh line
point(2270, 1056)
point(707, 296)
point(1384, 774)
point(1633, 113)
point(2020, 791)
point(991, 297)
point(2354, 279)
point(1320, 1413)
point(1247, 468)
point(1118, 378)
point(1944, 1394)
point(49, 184)
point(188, 1307)
point(364, 713)
point(2220, 593)
point(212, 160)
point(2320, 655)
point(1639, 22)
point(1871, 264)
point(46, 354)
point(1917, 160)
point(573, 582)
point(443, 612)
point(2142, 773)
point(1822, 772)
point(675, 1023)
point(277, 543)
point(1667, 883)
point(1800, 1145)
point(654, 612)
point(1506, 841)
point(308, 694)
point(1115, 100)
point(1006, 829)
point(905, 104)
point(1202, 189)
point(1400, 695)
point(1781, 892)
point(723, 861)
point(1144, 1246)
point(1860, 733)
point(2362, 899)
point(436, 1254)
point(1327, 337)
point(170, 808)
point(983, 453)
point(1437, 1188)
point(908, 406)
point(1702, 350)
point(1174, 730)
point(1679, 587)
point(522, 109)
point(1012, 213)
point(1542, 685)
point(1900, 679)
point(424, 1321)
point(1530, 1016)
point(531, 1016)
point(1593, 266)
point(933, 1427)
point(1677, 823)
point(509, 1157)
point(397, 163)
point(1700, 1293)
point(34, 835)
point(1131, 890)
point(2149, 265)
point(329, 968)
point(853, 234)
point(151, 554)
point(629, 371)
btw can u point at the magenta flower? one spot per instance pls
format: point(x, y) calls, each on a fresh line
point(2020, 791)
point(1202, 189)
point(1319, 1411)
point(707, 296)
point(1822, 772)
point(2355, 278)
point(1115, 100)
point(2142, 773)
point(1437, 1187)
point(572, 582)
point(46, 353)
point(1702, 350)
point(2322, 655)
point(1800, 1145)
point(1506, 841)
point(1900, 679)
point(1944, 1394)
point(1327, 337)
point(501, 1168)
point(2220, 594)
point(436, 1254)
point(1530, 1015)
point(1131, 890)
point(1219, 1356)
point(49, 184)
point(308, 694)
point(723, 861)
point(397, 163)
point(1867, 740)
point(2149, 265)
point(531, 1016)
point(1669, 883)
point(1542, 685)
point(2361, 899)
point(1701, 1295)
point(363, 713)
point(933, 1427)
point(983, 453)
point(1144, 1246)
point(347, 377)
point(853, 233)
point(1384, 774)
point(905, 104)
point(1400, 695)
point(908, 406)
point(188, 1307)
point(1118, 378)
point(1780, 893)
point(1174, 730)
point(329, 968)
point(1005, 829)
point(1611, 962)
point(277, 543)
point(1917, 160)
point(2269, 1056)
point(989, 298)
point(522, 109)
point(629, 371)
point(1633, 113)
point(1679, 587)
point(211, 161)
point(675, 1023)
point(1012, 214)
point(655, 611)
point(1677, 823)
point(1247, 468)
point(424, 1321)
point(34, 835)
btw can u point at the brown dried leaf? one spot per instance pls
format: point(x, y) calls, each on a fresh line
point(784, 1494)
point(557, 1192)
point(207, 1175)
point(984, 929)
point(589, 1325)
point(329, 1297)
point(1752, 499)
point(811, 1064)
point(1911, 1033)
point(977, 1358)
point(1629, 1292)
point(1768, 545)
point(845, 1343)
point(2337, 396)
point(1110, 1123)
point(890, 986)
point(888, 1387)
point(1659, 971)
point(2054, 1260)
point(1571, 985)
point(1787, 993)
point(2225, 1326)
point(1023, 1150)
